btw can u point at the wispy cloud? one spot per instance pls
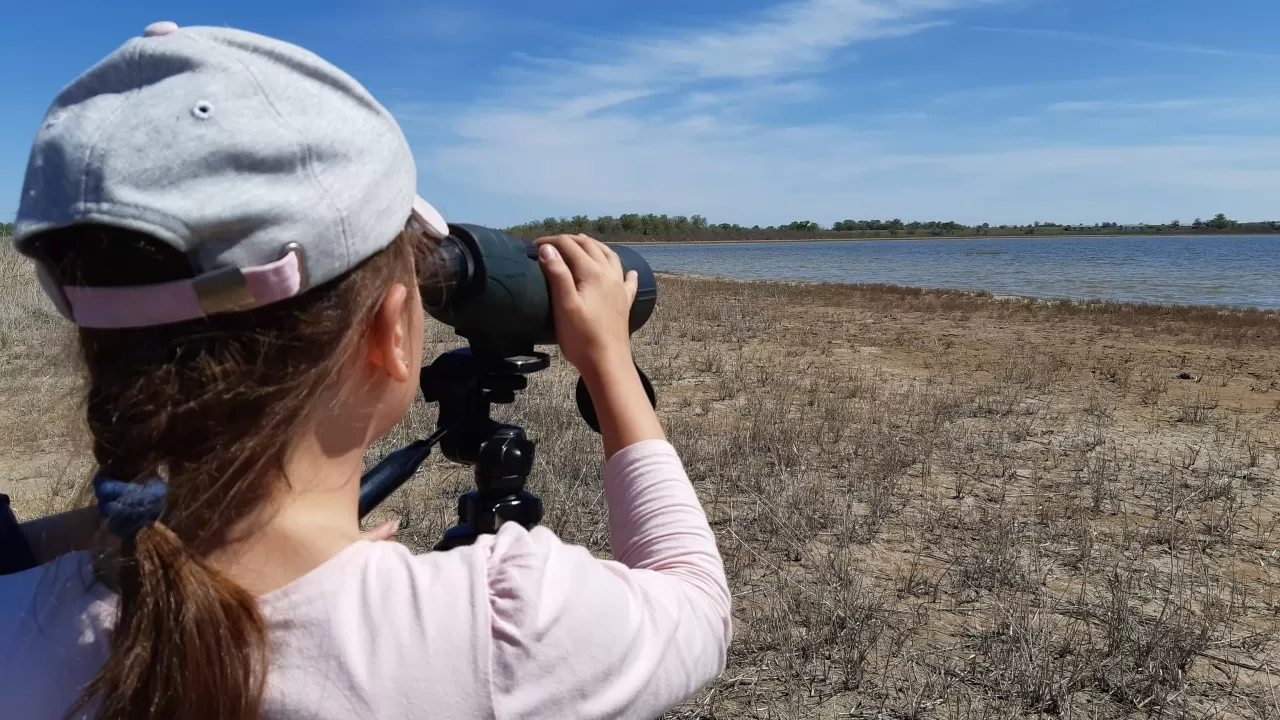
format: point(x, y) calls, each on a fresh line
point(789, 38)
point(1129, 42)
point(1119, 105)
point(1224, 111)
point(757, 60)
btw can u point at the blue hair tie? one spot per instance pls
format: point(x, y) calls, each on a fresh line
point(129, 507)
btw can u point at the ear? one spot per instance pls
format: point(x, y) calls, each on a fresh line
point(389, 337)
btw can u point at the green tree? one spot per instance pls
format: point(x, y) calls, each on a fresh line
point(1221, 222)
point(681, 228)
point(606, 225)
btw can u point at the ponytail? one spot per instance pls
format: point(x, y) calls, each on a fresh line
point(188, 642)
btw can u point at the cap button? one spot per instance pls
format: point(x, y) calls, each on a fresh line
point(157, 29)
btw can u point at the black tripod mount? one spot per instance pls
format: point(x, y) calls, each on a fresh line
point(465, 385)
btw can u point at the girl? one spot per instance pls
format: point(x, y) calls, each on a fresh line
point(232, 224)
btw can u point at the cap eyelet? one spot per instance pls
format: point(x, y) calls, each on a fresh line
point(203, 110)
point(294, 247)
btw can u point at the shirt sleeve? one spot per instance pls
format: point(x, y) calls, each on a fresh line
point(579, 637)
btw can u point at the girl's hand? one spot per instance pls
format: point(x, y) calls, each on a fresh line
point(385, 531)
point(591, 302)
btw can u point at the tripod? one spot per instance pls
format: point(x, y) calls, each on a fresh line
point(465, 384)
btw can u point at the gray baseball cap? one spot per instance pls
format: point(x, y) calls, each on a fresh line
point(272, 171)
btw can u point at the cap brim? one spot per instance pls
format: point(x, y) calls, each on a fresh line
point(430, 219)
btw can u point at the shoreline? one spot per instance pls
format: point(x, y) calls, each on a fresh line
point(891, 288)
point(913, 238)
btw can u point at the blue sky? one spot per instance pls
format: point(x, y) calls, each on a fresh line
point(762, 112)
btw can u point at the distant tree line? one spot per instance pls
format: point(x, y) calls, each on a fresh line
point(6, 228)
point(636, 227)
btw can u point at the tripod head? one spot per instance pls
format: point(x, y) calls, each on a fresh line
point(465, 385)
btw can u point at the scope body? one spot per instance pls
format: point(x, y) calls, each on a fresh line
point(490, 288)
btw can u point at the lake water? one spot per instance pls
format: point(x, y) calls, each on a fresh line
point(1240, 270)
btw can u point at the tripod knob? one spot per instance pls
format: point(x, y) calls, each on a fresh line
point(587, 407)
point(506, 459)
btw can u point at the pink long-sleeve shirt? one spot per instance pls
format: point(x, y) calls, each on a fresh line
point(516, 625)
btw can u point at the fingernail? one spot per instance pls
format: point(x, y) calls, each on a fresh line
point(548, 252)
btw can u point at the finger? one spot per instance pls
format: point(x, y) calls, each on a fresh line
point(632, 284)
point(594, 248)
point(385, 531)
point(564, 291)
point(580, 263)
point(569, 251)
point(553, 239)
point(614, 260)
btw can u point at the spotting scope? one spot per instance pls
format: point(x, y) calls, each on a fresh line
point(490, 288)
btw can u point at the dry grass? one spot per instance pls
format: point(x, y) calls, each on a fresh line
point(931, 505)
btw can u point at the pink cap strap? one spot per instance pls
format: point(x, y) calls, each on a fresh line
point(226, 290)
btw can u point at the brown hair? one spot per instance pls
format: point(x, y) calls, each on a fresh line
point(210, 405)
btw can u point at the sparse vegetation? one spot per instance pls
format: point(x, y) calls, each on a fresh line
point(930, 504)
